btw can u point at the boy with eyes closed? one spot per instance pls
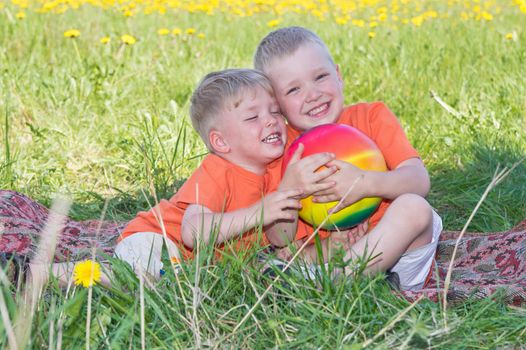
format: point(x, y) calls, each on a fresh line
point(238, 186)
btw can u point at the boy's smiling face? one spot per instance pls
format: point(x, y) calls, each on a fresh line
point(308, 87)
point(250, 131)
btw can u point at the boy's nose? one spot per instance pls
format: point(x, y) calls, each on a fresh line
point(271, 120)
point(312, 94)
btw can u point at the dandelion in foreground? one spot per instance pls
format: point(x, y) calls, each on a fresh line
point(20, 15)
point(163, 31)
point(510, 36)
point(128, 39)
point(201, 35)
point(371, 34)
point(190, 31)
point(177, 31)
point(72, 33)
point(105, 40)
point(86, 273)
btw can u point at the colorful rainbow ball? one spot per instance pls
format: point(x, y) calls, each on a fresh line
point(350, 145)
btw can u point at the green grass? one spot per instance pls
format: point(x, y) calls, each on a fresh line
point(99, 121)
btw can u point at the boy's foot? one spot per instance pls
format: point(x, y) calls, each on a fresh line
point(15, 267)
point(273, 267)
point(393, 280)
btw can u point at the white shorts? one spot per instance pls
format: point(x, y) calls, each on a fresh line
point(413, 266)
point(143, 249)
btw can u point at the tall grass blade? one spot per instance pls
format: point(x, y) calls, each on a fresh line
point(497, 178)
point(40, 264)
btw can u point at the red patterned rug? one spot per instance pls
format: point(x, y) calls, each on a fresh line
point(485, 263)
point(22, 221)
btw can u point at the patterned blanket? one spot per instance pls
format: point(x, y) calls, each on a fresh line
point(485, 263)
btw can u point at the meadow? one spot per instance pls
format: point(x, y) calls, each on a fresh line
point(94, 104)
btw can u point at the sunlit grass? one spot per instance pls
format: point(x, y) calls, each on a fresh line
point(94, 102)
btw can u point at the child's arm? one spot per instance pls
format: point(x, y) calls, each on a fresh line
point(199, 221)
point(410, 176)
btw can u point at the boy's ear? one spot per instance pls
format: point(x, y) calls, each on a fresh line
point(339, 74)
point(217, 142)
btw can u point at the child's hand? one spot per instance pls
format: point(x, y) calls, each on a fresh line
point(344, 178)
point(301, 172)
point(281, 205)
point(347, 238)
point(357, 232)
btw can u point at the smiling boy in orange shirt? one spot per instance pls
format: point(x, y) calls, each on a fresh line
point(404, 231)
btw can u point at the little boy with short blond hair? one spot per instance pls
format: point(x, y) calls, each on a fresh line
point(237, 186)
point(403, 233)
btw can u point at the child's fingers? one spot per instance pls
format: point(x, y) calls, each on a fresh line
point(325, 198)
point(297, 154)
point(324, 173)
point(315, 161)
point(362, 229)
point(340, 164)
point(292, 193)
point(321, 188)
point(326, 190)
point(351, 237)
point(290, 204)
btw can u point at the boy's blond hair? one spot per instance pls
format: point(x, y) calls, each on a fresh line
point(216, 91)
point(284, 42)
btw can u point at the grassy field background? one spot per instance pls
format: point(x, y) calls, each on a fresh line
point(100, 121)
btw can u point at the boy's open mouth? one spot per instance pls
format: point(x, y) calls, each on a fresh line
point(319, 111)
point(272, 138)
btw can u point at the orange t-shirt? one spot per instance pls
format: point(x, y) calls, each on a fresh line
point(381, 125)
point(218, 185)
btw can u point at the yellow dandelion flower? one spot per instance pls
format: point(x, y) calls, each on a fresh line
point(201, 35)
point(371, 34)
point(128, 39)
point(128, 13)
point(86, 273)
point(177, 31)
point(510, 36)
point(72, 33)
point(358, 22)
point(105, 40)
point(273, 23)
point(487, 16)
point(20, 15)
point(417, 21)
point(341, 20)
point(190, 31)
point(373, 24)
point(163, 31)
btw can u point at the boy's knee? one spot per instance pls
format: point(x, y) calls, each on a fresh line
point(418, 209)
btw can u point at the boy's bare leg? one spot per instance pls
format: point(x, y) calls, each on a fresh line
point(309, 254)
point(406, 225)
